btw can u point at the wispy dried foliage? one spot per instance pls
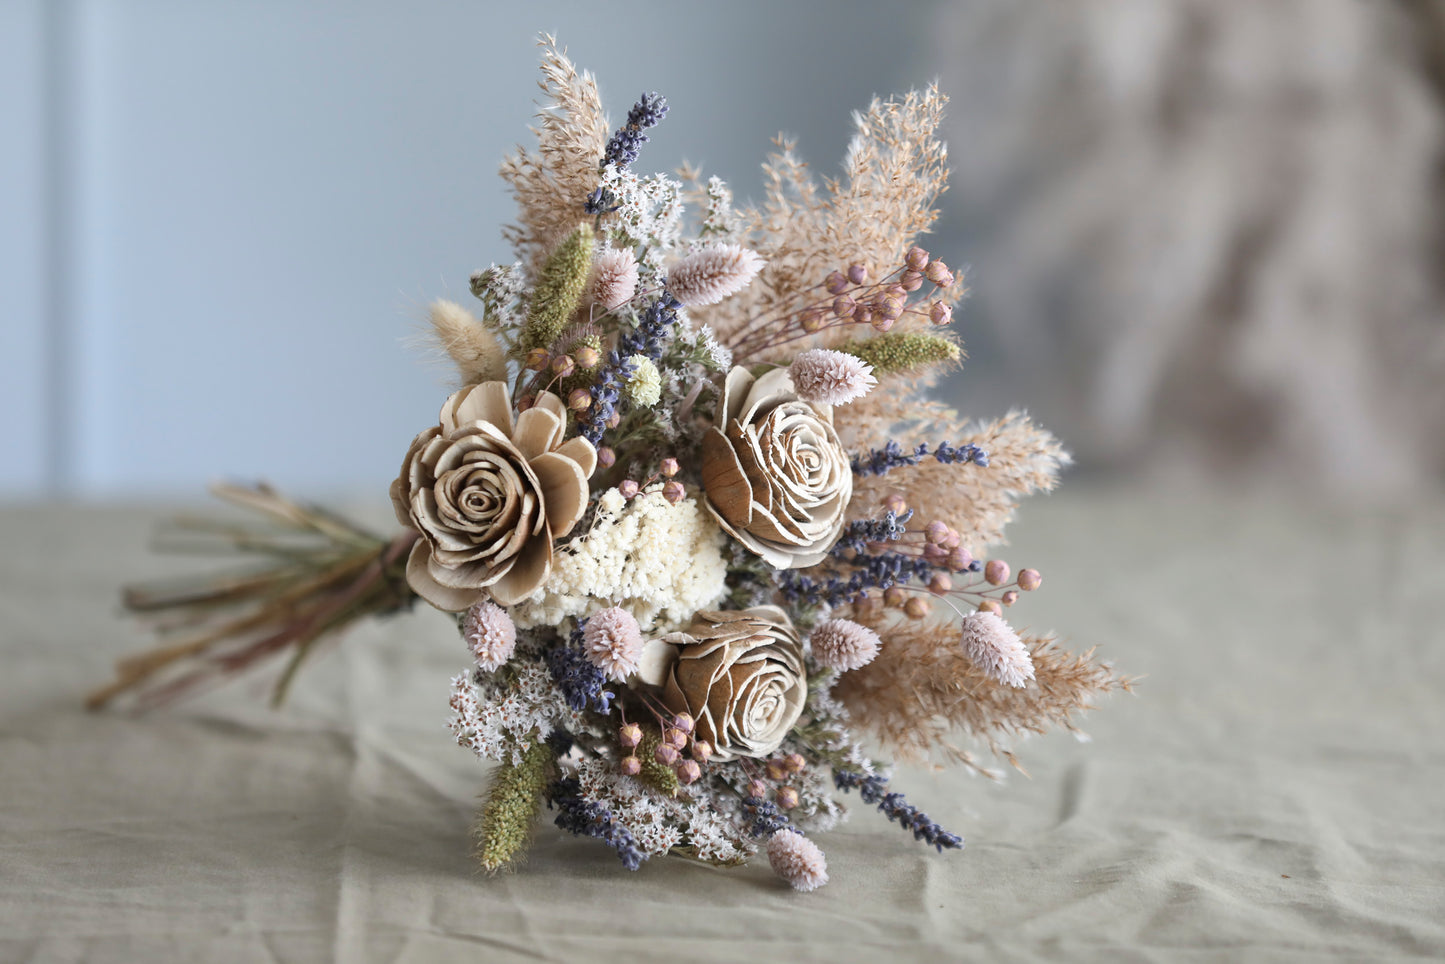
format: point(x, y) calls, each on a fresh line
point(978, 501)
point(893, 174)
point(921, 693)
point(551, 184)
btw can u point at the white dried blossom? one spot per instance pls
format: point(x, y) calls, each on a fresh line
point(500, 288)
point(629, 558)
point(717, 839)
point(711, 274)
point(721, 355)
point(993, 646)
point(501, 727)
point(644, 388)
point(719, 220)
point(655, 821)
point(649, 213)
point(830, 377)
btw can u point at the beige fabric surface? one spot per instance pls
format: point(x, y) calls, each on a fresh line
point(1274, 791)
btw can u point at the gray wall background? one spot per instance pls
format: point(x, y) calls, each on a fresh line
point(219, 221)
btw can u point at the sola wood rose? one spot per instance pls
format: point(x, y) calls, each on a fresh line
point(740, 675)
point(773, 471)
point(489, 495)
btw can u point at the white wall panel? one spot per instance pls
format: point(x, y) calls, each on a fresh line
point(262, 196)
point(23, 242)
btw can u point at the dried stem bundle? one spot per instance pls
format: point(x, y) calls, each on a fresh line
point(320, 574)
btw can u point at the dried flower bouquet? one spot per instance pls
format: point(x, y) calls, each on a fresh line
point(700, 526)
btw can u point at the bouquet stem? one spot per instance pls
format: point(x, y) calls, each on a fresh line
point(318, 574)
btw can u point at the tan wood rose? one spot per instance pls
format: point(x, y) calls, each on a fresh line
point(774, 474)
point(489, 494)
point(740, 674)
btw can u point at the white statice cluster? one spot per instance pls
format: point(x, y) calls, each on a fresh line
point(503, 725)
point(629, 558)
point(716, 839)
point(660, 823)
point(719, 221)
point(648, 216)
point(501, 289)
point(831, 721)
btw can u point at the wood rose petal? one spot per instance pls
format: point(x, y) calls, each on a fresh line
point(489, 402)
point(564, 490)
point(774, 474)
point(421, 582)
point(488, 494)
point(529, 570)
point(728, 491)
point(741, 675)
point(582, 452)
point(536, 432)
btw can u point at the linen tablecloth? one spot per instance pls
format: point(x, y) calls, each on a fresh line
point(1275, 789)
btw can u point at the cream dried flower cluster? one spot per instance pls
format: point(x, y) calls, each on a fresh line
point(702, 529)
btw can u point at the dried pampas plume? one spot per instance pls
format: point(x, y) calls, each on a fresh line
point(922, 690)
point(551, 184)
point(979, 502)
point(708, 276)
point(614, 279)
point(894, 172)
point(478, 354)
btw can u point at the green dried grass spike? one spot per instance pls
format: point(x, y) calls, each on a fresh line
point(514, 798)
point(559, 289)
point(659, 776)
point(905, 351)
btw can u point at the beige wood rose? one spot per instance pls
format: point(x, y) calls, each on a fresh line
point(774, 474)
point(489, 494)
point(740, 674)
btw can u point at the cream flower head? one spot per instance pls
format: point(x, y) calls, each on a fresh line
point(775, 475)
point(489, 494)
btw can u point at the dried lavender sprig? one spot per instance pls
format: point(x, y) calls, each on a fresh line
point(764, 818)
point(650, 335)
point(874, 790)
point(874, 572)
point(624, 145)
point(857, 536)
point(891, 456)
point(586, 819)
point(606, 394)
point(580, 682)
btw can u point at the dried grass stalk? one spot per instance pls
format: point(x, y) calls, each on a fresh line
point(921, 692)
point(978, 501)
point(551, 185)
point(894, 172)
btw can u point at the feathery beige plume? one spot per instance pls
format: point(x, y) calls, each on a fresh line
point(614, 279)
point(551, 185)
point(713, 273)
point(893, 175)
point(922, 690)
point(977, 501)
point(478, 354)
